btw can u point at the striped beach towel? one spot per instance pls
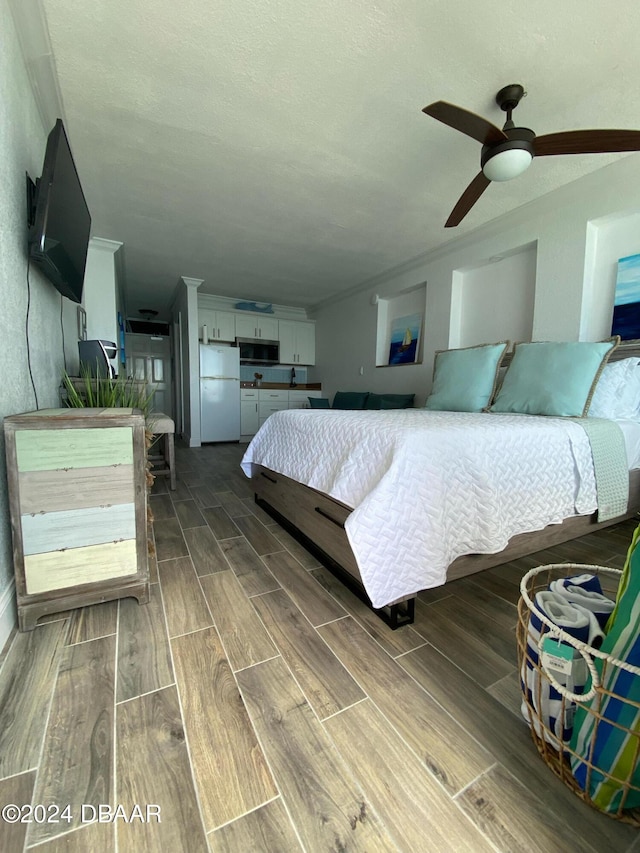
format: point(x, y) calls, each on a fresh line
point(552, 709)
point(612, 747)
point(585, 590)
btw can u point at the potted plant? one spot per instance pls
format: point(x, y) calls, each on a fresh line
point(88, 391)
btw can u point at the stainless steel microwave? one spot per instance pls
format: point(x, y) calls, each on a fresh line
point(258, 351)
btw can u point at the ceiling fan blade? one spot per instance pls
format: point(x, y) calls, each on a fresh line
point(466, 122)
point(586, 142)
point(468, 198)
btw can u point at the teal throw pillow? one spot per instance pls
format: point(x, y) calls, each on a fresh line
point(390, 401)
point(350, 399)
point(553, 378)
point(373, 401)
point(319, 402)
point(464, 379)
point(396, 401)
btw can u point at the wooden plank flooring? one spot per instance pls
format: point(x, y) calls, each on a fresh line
point(27, 680)
point(328, 807)
point(144, 657)
point(228, 763)
point(16, 790)
point(262, 707)
point(77, 766)
point(154, 768)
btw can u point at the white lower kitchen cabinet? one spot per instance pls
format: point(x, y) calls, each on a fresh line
point(249, 417)
point(299, 399)
point(256, 405)
point(272, 400)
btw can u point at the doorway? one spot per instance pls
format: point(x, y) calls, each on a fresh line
point(149, 360)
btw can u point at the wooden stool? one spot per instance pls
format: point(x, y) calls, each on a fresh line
point(161, 424)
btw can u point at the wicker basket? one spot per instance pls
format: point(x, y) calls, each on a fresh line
point(558, 756)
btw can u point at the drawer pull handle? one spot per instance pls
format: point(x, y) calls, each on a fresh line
point(329, 517)
point(267, 477)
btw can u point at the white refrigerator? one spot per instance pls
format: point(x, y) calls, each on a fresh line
point(219, 393)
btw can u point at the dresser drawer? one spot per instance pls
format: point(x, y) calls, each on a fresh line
point(314, 514)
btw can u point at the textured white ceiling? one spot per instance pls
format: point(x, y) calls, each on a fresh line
point(277, 149)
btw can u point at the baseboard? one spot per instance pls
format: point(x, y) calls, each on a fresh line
point(8, 613)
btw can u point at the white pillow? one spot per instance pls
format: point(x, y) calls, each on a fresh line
point(617, 392)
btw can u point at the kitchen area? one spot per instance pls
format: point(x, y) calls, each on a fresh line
point(251, 364)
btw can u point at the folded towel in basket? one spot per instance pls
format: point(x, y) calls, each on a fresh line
point(586, 591)
point(552, 710)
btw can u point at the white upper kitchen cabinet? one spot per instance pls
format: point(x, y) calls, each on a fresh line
point(221, 325)
point(297, 342)
point(256, 326)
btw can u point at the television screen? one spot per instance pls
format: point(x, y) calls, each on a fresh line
point(59, 218)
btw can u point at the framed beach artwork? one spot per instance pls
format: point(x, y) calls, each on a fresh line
point(626, 306)
point(405, 339)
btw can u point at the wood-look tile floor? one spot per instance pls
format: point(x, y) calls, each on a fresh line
point(255, 704)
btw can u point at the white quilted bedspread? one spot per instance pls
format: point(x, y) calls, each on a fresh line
point(427, 487)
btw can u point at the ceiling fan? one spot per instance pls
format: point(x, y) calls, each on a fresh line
point(507, 153)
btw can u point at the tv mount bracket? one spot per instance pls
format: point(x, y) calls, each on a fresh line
point(32, 197)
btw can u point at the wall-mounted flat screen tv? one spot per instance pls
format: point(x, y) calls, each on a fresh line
point(59, 219)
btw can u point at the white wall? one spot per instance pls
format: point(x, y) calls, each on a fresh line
point(573, 295)
point(22, 145)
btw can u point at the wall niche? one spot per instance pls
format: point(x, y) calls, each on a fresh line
point(494, 300)
point(404, 311)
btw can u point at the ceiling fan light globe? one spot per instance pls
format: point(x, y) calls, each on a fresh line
point(508, 164)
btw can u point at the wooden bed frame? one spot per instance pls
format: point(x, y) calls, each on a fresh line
point(318, 521)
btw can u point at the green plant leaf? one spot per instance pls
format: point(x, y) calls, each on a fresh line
point(103, 392)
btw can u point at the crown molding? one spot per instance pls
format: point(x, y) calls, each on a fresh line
point(191, 282)
point(35, 43)
point(105, 245)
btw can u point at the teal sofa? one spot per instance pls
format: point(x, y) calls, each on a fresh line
point(361, 400)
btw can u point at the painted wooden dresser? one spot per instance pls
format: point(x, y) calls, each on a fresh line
point(78, 503)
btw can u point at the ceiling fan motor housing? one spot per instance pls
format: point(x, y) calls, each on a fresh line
point(520, 139)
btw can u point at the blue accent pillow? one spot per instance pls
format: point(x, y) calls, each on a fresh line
point(553, 378)
point(464, 379)
point(319, 402)
point(350, 399)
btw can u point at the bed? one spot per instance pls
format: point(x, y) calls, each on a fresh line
point(409, 499)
